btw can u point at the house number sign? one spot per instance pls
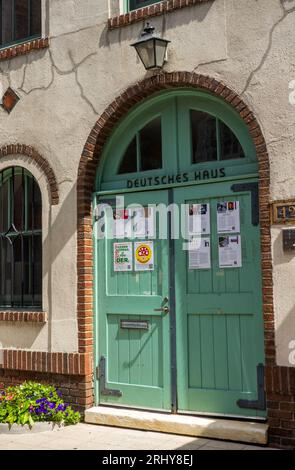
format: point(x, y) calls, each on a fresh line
point(283, 212)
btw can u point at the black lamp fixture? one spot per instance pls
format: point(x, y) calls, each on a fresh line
point(151, 49)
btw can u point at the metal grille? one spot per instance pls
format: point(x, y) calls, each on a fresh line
point(20, 240)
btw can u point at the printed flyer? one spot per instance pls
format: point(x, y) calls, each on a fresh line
point(228, 217)
point(144, 256)
point(230, 251)
point(143, 222)
point(199, 254)
point(199, 219)
point(123, 257)
point(122, 223)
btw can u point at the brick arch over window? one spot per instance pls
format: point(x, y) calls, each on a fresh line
point(86, 178)
point(41, 162)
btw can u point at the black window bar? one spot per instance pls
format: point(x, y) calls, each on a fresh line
point(20, 240)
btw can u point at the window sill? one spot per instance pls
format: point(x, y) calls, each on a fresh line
point(23, 316)
point(156, 9)
point(21, 49)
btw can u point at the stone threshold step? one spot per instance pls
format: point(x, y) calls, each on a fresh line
point(214, 428)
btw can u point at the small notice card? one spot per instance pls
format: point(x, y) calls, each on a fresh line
point(199, 219)
point(228, 216)
point(144, 256)
point(199, 254)
point(123, 256)
point(230, 251)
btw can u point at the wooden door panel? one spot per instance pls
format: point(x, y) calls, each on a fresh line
point(137, 360)
point(219, 316)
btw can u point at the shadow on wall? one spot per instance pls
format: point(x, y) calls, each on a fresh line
point(61, 231)
point(168, 21)
point(285, 322)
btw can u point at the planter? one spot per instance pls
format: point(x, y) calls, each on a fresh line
point(38, 427)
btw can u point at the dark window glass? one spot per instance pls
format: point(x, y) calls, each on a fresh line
point(35, 18)
point(20, 240)
point(18, 203)
point(151, 146)
point(4, 190)
point(129, 162)
point(6, 22)
point(19, 20)
point(145, 150)
point(204, 142)
point(134, 4)
point(230, 147)
point(34, 206)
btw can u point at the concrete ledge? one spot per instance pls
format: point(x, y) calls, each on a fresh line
point(232, 430)
point(36, 428)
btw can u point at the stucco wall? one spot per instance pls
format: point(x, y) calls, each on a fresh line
point(63, 89)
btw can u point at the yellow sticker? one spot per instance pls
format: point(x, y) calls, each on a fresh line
point(143, 253)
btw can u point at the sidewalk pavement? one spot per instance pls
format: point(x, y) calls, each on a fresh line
point(93, 437)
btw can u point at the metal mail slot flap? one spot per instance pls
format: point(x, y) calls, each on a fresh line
point(134, 325)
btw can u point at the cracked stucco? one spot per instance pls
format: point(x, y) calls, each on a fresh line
point(249, 45)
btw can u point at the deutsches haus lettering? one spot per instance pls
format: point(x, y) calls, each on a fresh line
point(178, 178)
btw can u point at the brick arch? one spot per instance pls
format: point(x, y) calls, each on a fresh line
point(41, 162)
point(86, 177)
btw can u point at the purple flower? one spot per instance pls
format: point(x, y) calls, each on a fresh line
point(41, 400)
point(51, 405)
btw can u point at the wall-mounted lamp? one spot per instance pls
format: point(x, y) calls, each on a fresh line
point(151, 49)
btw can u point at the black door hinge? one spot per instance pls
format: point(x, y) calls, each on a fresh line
point(260, 403)
point(101, 376)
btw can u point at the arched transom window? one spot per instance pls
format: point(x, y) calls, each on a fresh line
point(20, 240)
point(178, 134)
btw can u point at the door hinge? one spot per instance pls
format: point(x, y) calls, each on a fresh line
point(101, 376)
point(260, 403)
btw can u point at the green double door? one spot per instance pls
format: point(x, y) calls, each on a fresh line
point(178, 338)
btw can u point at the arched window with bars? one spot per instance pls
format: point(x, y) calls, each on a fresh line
point(20, 240)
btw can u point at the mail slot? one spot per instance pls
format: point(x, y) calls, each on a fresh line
point(134, 325)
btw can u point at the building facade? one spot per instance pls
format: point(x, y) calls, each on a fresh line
point(81, 122)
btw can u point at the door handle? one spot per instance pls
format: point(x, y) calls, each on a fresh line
point(162, 309)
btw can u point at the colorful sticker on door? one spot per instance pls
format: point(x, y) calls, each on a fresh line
point(199, 219)
point(123, 257)
point(230, 251)
point(228, 216)
point(144, 256)
point(199, 254)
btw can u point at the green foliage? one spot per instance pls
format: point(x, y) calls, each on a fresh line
point(33, 402)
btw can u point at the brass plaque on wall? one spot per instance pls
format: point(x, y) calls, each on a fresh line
point(283, 212)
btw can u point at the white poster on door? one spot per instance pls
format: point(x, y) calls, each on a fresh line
point(199, 254)
point(144, 256)
point(199, 219)
point(143, 223)
point(228, 216)
point(123, 256)
point(230, 251)
point(122, 223)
